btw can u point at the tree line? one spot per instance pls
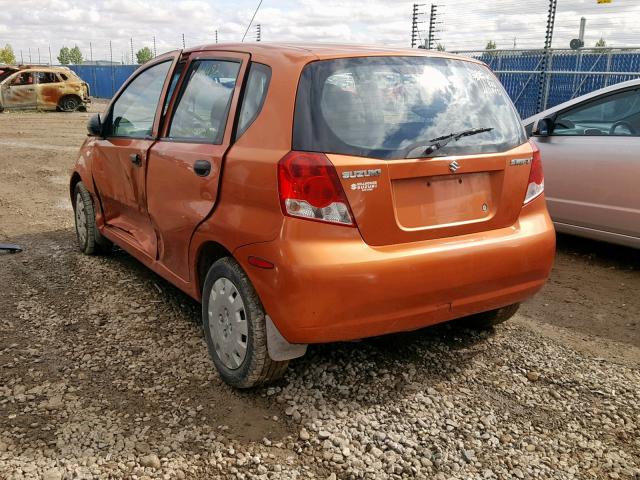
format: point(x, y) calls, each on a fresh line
point(68, 56)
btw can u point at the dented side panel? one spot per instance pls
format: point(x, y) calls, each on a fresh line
point(49, 94)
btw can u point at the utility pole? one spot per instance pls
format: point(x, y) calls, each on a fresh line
point(93, 66)
point(431, 39)
point(30, 61)
point(258, 32)
point(551, 19)
point(415, 33)
point(155, 53)
point(50, 59)
point(545, 78)
point(21, 58)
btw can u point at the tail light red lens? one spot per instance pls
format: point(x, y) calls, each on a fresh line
point(309, 188)
point(535, 185)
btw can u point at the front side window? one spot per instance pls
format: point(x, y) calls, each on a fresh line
point(25, 78)
point(134, 111)
point(617, 114)
point(202, 109)
point(254, 95)
point(385, 107)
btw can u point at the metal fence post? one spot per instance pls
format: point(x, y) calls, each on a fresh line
point(606, 77)
point(547, 82)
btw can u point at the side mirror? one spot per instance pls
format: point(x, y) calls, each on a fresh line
point(544, 127)
point(94, 125)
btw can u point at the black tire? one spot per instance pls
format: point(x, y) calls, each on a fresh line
point(69, 103)
point(90, 240)
point(257, 368)
point(487, 320)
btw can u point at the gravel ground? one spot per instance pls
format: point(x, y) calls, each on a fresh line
point(104, 372)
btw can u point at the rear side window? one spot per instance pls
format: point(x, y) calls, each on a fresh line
point(203, 106)
point(254, 95)
point(46, 77)
point(381, 107)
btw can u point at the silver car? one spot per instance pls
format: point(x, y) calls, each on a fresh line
point(590, 149)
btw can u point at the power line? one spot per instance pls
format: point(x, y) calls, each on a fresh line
point(249, 26)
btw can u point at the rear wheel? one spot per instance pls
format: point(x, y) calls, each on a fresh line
point(89, 238)
point(70, 103)
point(234, 327)
point(486, 320)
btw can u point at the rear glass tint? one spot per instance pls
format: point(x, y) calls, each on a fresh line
point(382, 106)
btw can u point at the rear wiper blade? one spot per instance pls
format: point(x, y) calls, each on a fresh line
point(439, 142)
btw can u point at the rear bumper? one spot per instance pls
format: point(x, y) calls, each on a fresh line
point(329, 285)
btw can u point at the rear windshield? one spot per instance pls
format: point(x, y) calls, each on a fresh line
point(389, 107)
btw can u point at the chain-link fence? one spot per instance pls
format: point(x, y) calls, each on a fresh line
point(537, 80)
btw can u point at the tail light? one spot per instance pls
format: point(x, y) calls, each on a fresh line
point(309, 188)
point(535, 185)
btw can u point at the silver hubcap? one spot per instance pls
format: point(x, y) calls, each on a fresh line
point(228, 323)
point(81, 220)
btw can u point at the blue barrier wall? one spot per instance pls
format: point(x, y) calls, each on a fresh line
point(104, 80)
point(524, 86)
point(519, 73)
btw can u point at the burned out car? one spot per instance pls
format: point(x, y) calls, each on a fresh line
point(42, 88)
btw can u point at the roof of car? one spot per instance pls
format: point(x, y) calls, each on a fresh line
point(45, 68)
point(317, 51)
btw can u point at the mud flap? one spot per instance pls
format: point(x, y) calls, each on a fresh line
point(278, 347)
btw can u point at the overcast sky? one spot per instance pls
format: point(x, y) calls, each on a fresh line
point(465, 24)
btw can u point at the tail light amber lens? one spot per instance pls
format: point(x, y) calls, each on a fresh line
point(309, 188)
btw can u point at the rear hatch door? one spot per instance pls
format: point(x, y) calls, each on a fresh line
point(414, 200)
point(382, 119)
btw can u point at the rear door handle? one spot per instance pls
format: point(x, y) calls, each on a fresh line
point(136, 159)
point(202, 168)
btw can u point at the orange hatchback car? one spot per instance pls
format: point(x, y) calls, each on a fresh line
point(317, 193)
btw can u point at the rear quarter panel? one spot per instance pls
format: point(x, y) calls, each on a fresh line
point(49, 94)
point(248, 209)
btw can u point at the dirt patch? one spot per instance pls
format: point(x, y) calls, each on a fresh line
point(593, 289)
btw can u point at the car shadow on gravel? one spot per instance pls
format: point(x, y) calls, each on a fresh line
point(436, 352)
point(108, 334)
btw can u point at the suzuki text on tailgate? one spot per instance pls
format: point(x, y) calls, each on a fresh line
point(317, 193)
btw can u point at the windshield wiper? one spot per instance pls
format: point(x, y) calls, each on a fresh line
point(439, 142)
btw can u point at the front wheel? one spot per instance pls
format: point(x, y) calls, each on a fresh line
point(234, 327)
